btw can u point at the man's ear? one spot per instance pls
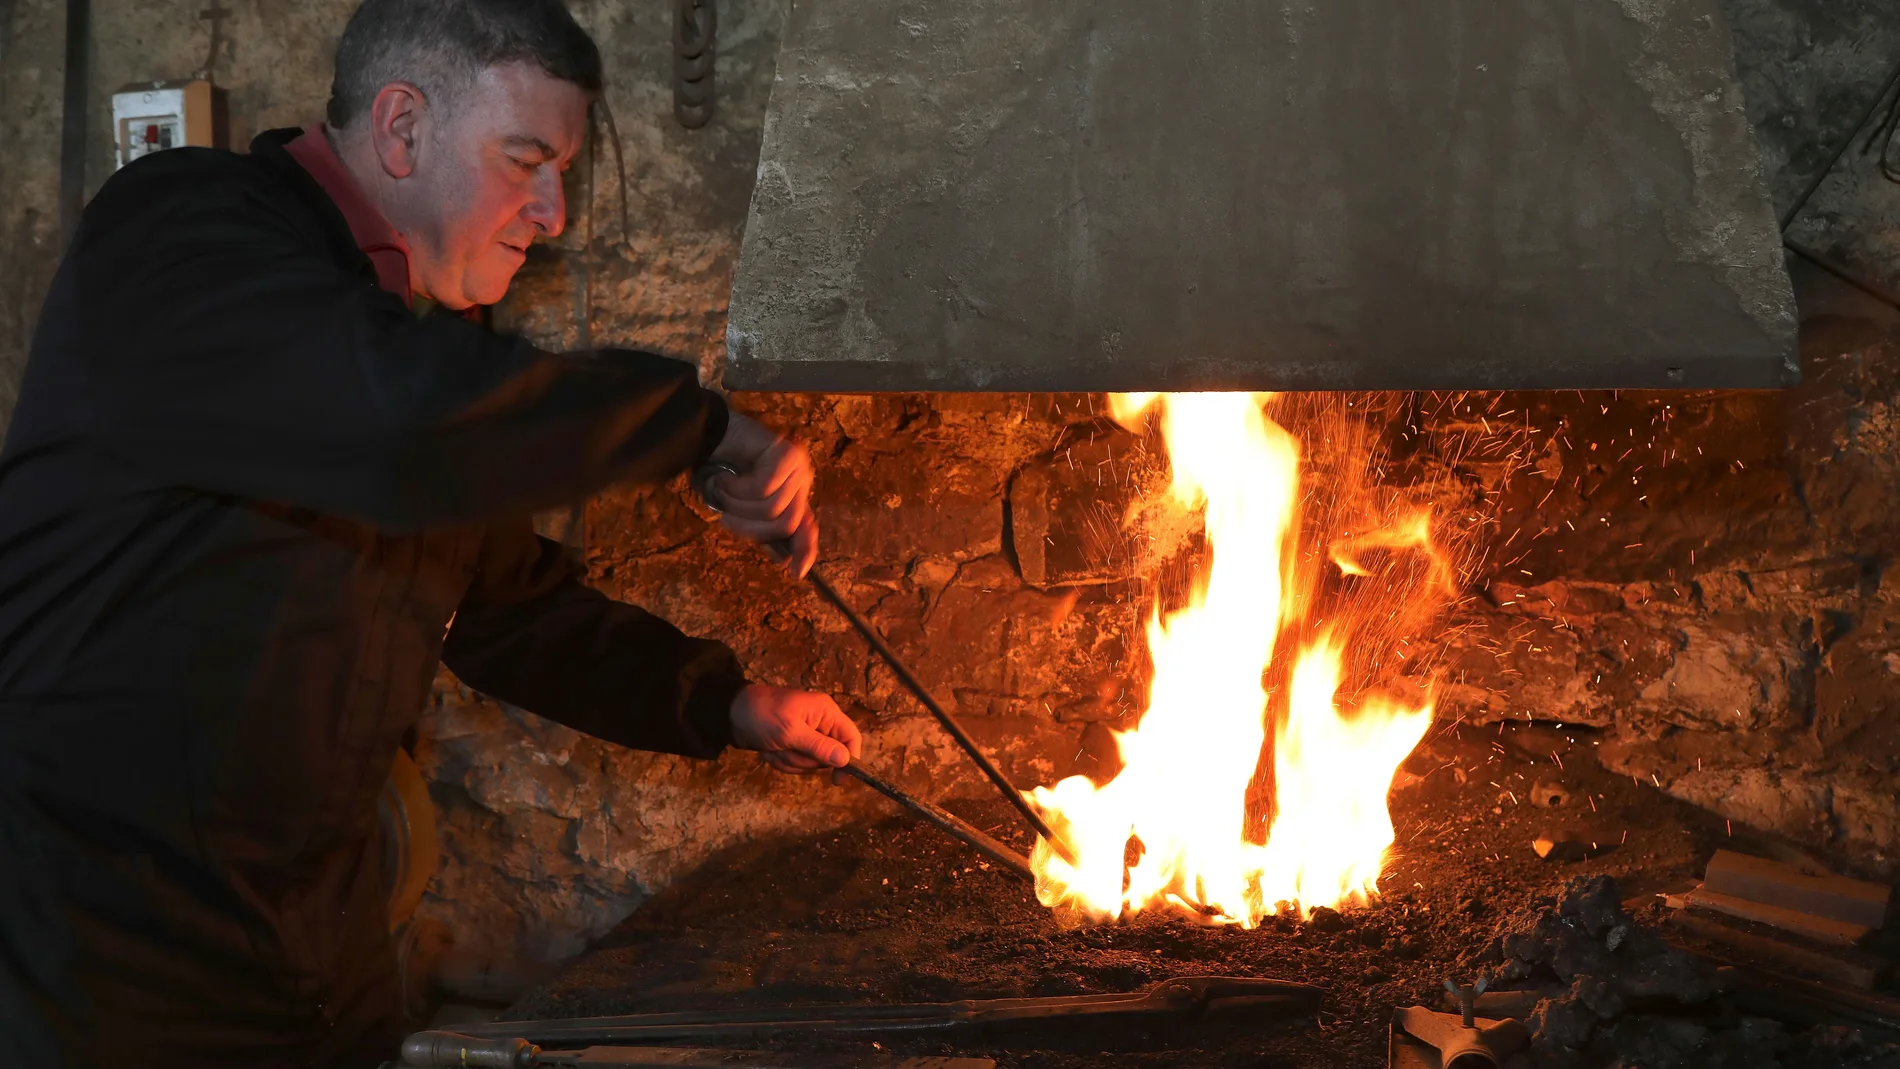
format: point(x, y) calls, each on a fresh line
point(396, 119)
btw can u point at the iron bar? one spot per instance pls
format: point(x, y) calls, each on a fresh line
point(922, 693)
point(703, 482)
point(948, 822)
point(1187, 997)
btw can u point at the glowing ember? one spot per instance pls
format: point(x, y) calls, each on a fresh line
point(1172, 826)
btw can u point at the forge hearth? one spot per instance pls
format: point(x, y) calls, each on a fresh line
point(893, 912)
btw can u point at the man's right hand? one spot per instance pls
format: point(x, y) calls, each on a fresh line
point(769, 500)
point(797, 731)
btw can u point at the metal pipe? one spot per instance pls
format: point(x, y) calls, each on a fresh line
point(703, 483)
point(948, 822)
point(1841, 272)
point(922, 693)
point(452, 1050)
point(1183, 998)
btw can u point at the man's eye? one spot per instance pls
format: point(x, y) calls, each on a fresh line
point(526, 165)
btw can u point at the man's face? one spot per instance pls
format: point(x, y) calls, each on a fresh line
point(489, 182)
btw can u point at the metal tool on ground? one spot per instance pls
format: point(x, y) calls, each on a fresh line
point(1422, 1038)
point(1820, 929)
point(1815, 905)
point(449, 1050)
point(709, 493)
point(948, 822)
point(1467, 998)
point(923, 695)
point(444, 1049)
point(1842, 966)
point(1772, 978)
point(1498, 1005)
point(1773, 883)
point(1184, 998)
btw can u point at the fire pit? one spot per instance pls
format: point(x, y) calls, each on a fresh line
point(1174, 827)
point(894, 912)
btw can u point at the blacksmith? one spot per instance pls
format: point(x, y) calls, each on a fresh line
point(263, 475)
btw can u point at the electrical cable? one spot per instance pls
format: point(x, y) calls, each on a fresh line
point(1847, 142)
point(1886, 128)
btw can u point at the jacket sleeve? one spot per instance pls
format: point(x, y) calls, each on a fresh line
point(531, 634)
point(226, 350)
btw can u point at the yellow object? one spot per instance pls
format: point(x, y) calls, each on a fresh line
point(411, 849)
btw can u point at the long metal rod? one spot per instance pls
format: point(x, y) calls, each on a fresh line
point(1838, 271)
point(948, 822)
point(1187, 997)
point(922, 693)
point(703, 482)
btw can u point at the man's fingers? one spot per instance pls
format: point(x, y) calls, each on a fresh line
point(796, 764)
point(771, 502)
point(782, 474)
point(804, 740)
point(791, 495)
point(834, 723)
point(763, 530)
point(794, 759)
point(794, 731)
point(746, 509)
point(804, 546)
point(784, 469)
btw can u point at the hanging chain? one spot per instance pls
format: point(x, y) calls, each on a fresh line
point(215, 15)
point(1884, 136)
point(695, 27)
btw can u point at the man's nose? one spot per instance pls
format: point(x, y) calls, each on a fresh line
point(548, 210)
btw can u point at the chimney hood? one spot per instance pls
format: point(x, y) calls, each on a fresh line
point(1258, 194)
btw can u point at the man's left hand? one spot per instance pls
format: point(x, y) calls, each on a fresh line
point(769, 500)
point(798, 731)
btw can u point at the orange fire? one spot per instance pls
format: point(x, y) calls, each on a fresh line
point(1172, 827)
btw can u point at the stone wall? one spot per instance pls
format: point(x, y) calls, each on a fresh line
point(1703, 578)
point(1709, 581)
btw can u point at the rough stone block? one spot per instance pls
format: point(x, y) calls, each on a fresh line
point(982, 195)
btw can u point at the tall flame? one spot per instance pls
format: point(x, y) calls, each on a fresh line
point(1172, 826)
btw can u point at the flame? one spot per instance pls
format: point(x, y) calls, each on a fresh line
point(1172, 827)
point(1413, 532)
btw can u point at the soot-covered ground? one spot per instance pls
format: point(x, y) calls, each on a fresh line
point(895, 912)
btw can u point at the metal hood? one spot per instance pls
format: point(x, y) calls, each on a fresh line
point(1258, 194)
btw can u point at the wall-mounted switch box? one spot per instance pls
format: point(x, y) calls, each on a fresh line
point(153, 116)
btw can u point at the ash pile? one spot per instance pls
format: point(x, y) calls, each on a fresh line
point(1600, 988)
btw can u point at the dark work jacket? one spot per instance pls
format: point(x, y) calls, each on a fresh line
point(244, 493)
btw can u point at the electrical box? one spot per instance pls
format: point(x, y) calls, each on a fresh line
point(153, 116)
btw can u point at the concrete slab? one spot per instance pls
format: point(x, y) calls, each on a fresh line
point(1356, 194)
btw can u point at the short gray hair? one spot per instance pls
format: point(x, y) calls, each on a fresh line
point(442, 45)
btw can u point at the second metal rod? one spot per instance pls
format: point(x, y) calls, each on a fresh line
point(948, 822)
point(704, 482)
point(916, 687)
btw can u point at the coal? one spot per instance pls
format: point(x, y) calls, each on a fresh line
point(1628, 998)
point(1326, 919)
